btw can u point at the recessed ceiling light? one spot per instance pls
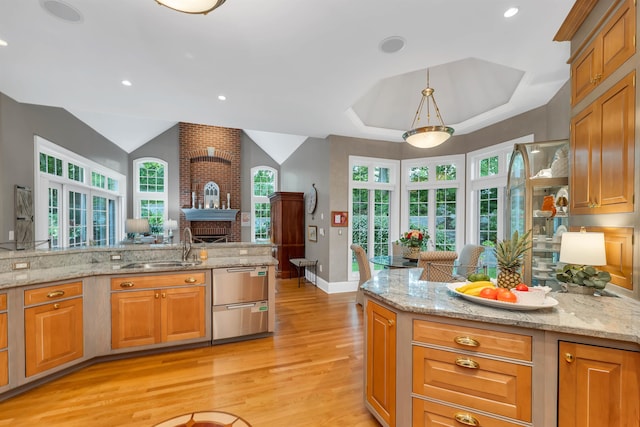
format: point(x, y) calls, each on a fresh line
point(512, 11)
point(126, 83)
point(392, 44)
point(222, 97)
point(3, 43)
point(61, 10)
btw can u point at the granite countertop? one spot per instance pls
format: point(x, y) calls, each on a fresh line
point(616, 318)
point(19, 278)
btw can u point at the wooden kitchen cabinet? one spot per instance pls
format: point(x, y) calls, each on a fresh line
point(597, 386)
point(53, 324)
point(381, 362)
point(287, 230)
point(611, 47)
point(4, 342)
point(470, 371)
point(602, 152)
point(147, 310)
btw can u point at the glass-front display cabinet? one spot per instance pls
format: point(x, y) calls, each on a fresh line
point(538, 200)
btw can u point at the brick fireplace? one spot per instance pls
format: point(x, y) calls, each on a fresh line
point(210, 154)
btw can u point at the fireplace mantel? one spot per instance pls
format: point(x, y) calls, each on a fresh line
point(210, 214)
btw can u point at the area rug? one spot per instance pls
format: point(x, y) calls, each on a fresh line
point(205, 419)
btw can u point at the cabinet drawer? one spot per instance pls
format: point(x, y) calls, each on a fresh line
point(431, 414)
point(3, 302)
point(52, 293)
point(146, 282)
point(471, 339)
point(492, 386)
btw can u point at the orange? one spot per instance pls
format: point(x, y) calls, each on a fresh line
point(507, 296)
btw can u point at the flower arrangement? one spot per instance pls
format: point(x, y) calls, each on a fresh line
point(414, 238)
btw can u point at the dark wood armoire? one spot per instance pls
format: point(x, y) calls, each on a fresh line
point(287, 230)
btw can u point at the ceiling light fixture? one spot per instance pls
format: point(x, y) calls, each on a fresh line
point(192, 6)
point(126, 83)
point(427, 136)
point(512, 11)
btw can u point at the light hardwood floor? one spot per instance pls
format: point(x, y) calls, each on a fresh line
point(310, 373)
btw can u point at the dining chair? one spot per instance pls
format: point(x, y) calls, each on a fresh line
point(437, 266)
point(468, 261)
point(363, 268)
point(397, 249)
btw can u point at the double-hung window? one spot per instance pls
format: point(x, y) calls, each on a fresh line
point(150, 194)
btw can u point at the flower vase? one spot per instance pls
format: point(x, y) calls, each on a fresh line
point(412, 252)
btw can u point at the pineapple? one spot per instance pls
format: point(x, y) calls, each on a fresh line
point(509, 255)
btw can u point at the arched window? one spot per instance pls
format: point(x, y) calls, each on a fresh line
point(150, 192)
point(264, 181)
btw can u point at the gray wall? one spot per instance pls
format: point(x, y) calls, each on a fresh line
point(18, 125)
point(166, 147)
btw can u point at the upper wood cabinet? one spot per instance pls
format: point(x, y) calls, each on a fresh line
point(597, 386)
point(611, 47)
point(602, 152)
point(381, 362)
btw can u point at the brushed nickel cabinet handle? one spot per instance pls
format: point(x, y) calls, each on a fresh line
point(568, 357)
point(464, 362)
point(466, 419)
point(126, 285)
point(190, 280)
point(468, 341)
point(55, 294)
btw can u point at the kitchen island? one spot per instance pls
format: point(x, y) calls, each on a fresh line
point(64, 309)
point(434, 357)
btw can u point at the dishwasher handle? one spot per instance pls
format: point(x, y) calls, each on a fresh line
point(240, 269)
point(239, 306)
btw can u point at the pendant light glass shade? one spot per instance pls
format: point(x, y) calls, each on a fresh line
point(192, 6)
point(427, 136)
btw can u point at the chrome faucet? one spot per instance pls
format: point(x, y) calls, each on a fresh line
point(187, 243)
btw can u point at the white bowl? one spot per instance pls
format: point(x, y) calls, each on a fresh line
point(533, 296)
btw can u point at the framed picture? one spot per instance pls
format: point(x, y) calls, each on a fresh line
point(312, 233)
point(339, 218)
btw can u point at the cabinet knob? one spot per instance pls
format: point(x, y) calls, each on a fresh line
point(391, 322)
point(157, 295)
point(126, 285)
point(568, 357)
point(468, 341)
point(55, 294)
point(466, 419)
point(190, 280)
point(465, 362)
point(56, 306)
point(164, 295)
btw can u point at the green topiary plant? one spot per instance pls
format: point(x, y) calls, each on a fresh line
point(584, 276)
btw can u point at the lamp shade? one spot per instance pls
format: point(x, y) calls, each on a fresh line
point(170, 224)
point(192, 6)
point(583, 248)
point(136, 225)
point(428, 136)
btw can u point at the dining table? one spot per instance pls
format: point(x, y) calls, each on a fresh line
point(390, 261)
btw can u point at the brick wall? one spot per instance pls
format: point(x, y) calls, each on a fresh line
point(197, 168)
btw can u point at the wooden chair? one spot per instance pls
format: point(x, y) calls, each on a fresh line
point(363, 268)
point(468, 261)
point(437, 266)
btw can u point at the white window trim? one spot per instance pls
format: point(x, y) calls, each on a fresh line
point(259, 199)
point(393, 185)
point(476, 183)
point(459, 183)
point(42, 180)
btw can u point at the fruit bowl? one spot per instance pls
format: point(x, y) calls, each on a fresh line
point(517, 306)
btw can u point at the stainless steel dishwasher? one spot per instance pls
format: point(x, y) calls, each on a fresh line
point(240, 302)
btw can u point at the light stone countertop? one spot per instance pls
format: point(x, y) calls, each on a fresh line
point(615, 318)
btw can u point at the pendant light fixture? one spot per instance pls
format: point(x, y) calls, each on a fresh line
point(427, 136)
point(192, 6)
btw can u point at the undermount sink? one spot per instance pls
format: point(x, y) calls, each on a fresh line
point(162, 264)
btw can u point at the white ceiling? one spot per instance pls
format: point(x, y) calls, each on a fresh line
point(295, 67)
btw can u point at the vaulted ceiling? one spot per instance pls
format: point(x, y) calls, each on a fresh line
point(289, 69)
